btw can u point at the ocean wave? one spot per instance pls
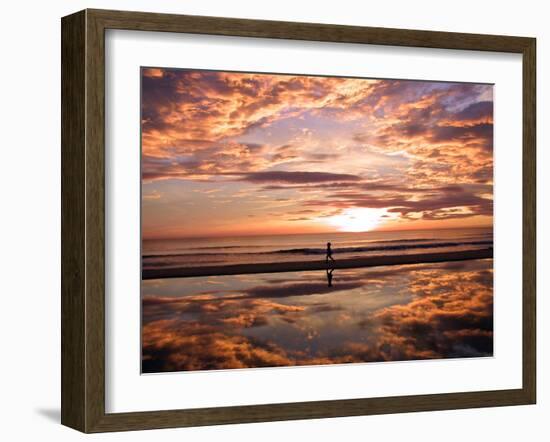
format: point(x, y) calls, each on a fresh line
point(372, 241)
point(403, 245)
point(322, 251)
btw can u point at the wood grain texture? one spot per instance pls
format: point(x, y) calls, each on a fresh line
point(95, 221)
point(529, 221)
point(144, 21)
point(83, 219)
point(73, 258)
point(307, 410)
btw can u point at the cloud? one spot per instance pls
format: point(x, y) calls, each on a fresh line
point(206, 162)
point(189, 105)
point(173, 346)
point(381, 314)
point(448, 133)
point(481, 110)
point(298, 177)
point(452, 316)
point(298, 289)
point(322, 140)
point(435, 202)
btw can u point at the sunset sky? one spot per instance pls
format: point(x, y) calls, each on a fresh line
point(241, 154)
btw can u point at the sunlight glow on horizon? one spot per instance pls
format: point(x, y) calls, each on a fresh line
point(359, 219)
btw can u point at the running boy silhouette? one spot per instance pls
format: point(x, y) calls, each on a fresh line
point(329, 252)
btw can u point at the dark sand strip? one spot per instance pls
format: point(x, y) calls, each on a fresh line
point(369, 261)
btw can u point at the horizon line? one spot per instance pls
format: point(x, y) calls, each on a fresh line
point(169, 238)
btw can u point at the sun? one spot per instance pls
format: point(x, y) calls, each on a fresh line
point(359, 219)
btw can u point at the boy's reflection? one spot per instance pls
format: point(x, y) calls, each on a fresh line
point(329, 277)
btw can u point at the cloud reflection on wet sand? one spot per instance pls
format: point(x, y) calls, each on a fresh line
point(423, 311)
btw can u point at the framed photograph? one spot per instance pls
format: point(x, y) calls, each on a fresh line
point(268, 220)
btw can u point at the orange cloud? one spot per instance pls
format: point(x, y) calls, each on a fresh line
point(272, 134)
point(436, 311)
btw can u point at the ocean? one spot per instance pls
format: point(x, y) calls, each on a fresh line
point(197, 252)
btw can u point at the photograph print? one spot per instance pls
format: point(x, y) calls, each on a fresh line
point(295, 220)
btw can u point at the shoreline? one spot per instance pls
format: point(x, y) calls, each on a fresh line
point(297, 266)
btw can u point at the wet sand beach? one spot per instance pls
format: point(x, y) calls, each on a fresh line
point(369, 261)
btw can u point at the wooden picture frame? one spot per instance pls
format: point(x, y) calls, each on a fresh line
point(83, 220)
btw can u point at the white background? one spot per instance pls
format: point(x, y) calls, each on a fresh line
point(128, 391)
point(30, 192)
